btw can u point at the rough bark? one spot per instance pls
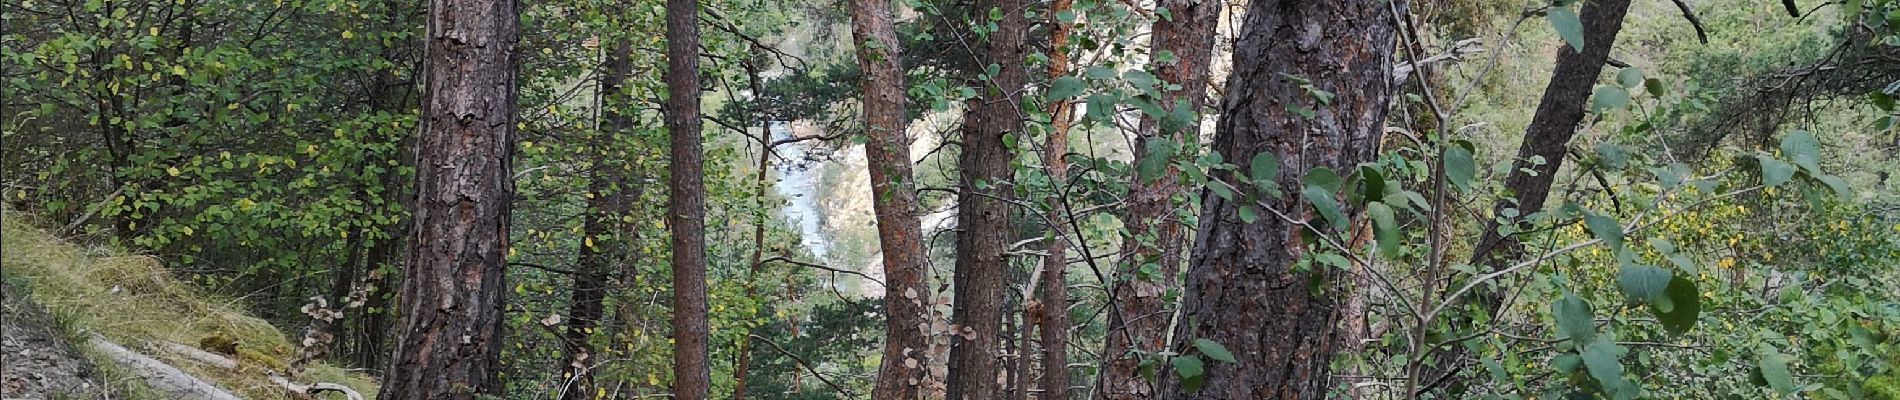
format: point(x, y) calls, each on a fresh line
point(449, 346)
point(1139, 323)
point(1052, 310)
point(686, 203)
point(1241, 290)
point(609, 201)
point(983, 230)
point(1548, 137)
point(901, 372)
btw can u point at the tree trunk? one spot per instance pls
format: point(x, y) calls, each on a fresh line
point(902, 371)
point(983, 230)
point(1138, 323)
point(610, 200)
point(686, 203)
point(1052, 310)
point(451, 292)
point(744, 359)
point(1241, 289)
point(1547, 136)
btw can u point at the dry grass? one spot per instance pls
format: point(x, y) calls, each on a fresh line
point(133, 300)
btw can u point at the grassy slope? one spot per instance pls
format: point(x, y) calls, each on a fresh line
point(133, 300)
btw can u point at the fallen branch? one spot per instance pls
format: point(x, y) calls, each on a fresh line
point(159, 375)
point(315, 388)
point(201, 356)
point(220, 361)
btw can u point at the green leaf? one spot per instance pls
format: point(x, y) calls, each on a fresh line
point(1565, 363)
point(1606, 228)
point(1801, 148)
point(1324, 203)
point(1644, 283)
point(1600, 358)
point(1460, 167)
point(1774, 369)
point(1265, 171)
point(1322, 177)
point(1881, 100)
point(1190, 370)
point(1151, 166)
point(1574, 318)
point(1839, 185)
point(1213, 350)
point(1774, 172)
point(1065, 88)
point(1248, 214)
point(1630, 77)
point(1607, 98)
point(1385, 229)
point(1101, 107)
point(1686, 306)
point(1613, 156)
point(1568, 26)
point(1654, 87)
point(1372, 182)
point(1222, 191)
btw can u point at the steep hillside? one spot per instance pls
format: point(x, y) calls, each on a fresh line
point(134, 301)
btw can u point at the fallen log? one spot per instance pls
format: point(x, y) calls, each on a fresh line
point(159, 375)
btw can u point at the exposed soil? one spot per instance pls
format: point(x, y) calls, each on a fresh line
point(36, 361)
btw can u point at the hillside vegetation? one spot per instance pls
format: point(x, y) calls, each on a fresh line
point(131, 299)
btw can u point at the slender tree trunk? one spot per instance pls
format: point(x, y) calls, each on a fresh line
point(609, 200)
point(1547, 137)
point(1138, 324)
point(373, 326)
point(1241, 289)
point(983, 230)
point(686, 203)
point(452, 299)
point(902, 372)
point(744, 361)
point(1053, 304)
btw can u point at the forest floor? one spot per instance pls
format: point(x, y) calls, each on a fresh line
point(40, 362)
point(56, 290)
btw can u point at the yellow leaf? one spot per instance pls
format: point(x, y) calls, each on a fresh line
point(589, 241)
point(173, 171)
point(153, 31)
point(349, 35)
point(187, 230)
point(178, 70)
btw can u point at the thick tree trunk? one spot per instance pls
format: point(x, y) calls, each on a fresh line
point(983, 230)
point(1547, 137)
point(610, 199)
point(451, 292)
point(1241, 289)
point(686, 203)
point(1138, 324)
point(903, 369)
point(1052, 311)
